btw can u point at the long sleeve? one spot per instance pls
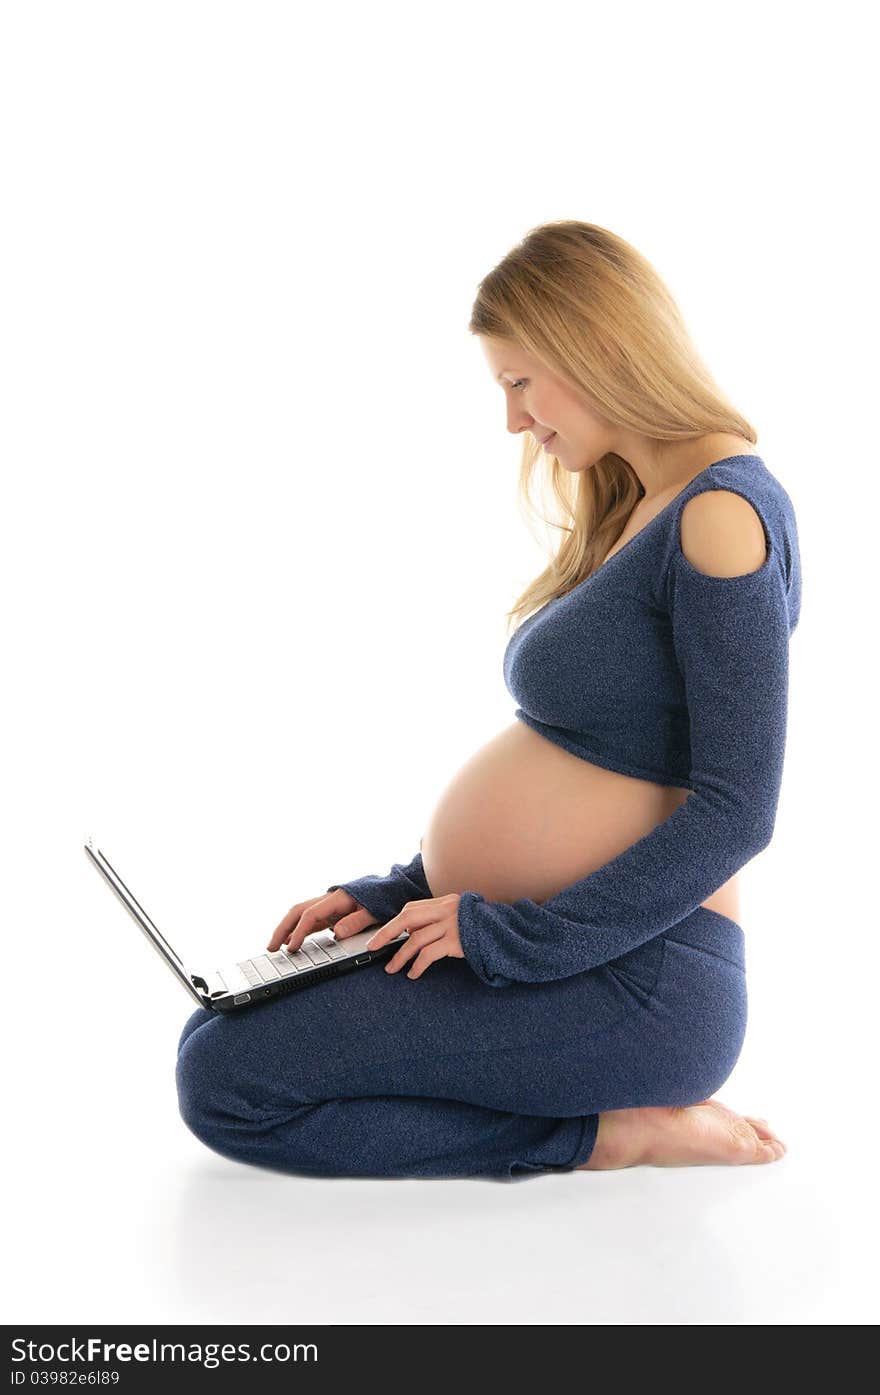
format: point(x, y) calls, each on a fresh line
point(730, 637)
point(385, 897)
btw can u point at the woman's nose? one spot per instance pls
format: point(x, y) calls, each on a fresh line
point(517, 423)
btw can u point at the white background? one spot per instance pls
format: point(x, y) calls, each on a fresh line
point(259, 532)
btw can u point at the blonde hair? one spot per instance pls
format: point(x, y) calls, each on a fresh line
point(594, 311)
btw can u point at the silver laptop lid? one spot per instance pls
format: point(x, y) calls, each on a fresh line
point(156, 938)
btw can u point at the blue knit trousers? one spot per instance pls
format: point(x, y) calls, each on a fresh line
point(376, 1075)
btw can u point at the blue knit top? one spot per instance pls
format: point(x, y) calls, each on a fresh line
point(657, 670)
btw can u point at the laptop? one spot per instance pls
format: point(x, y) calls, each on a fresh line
point(263, 975)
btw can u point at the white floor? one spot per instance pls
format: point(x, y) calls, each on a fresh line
point(116, 1213)
point(156, 1229)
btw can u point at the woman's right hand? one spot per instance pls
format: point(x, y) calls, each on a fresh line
point(336, 909)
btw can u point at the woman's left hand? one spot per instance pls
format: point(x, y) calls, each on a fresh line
point(433, 934)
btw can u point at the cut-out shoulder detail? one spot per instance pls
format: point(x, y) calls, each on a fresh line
point(722, 534)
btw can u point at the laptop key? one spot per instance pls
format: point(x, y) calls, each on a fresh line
point(265, 969)
point(283, 963)
point(315, 952)
point(300, 960)
point(335, 948)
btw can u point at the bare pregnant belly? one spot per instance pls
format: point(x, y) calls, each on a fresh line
point(524, 818)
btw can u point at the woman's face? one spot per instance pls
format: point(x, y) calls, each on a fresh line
point(543, 404)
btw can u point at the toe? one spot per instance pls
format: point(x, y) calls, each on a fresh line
point(748, 1146)
point(761, 1127)
point(764, 1131)
point(752, 1135)
point(770, 1149)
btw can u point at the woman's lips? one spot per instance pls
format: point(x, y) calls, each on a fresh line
point(548, 440)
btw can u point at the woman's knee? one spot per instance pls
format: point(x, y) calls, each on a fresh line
point(226, 1084)
point(199, 1018)
point(211, 1095)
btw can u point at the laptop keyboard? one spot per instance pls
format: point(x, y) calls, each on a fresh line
point(314, 951)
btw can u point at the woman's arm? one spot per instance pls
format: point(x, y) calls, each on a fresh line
point(730, 634)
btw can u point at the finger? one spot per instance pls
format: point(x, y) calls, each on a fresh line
point(414, 916)
point(411, 946)
point(308, 923)
point(280, 933)
point(353, 924)
point(389, 931)
point(428, 955)
point(282, 930)
point(402, 956)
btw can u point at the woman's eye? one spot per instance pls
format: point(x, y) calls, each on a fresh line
point(517, 382)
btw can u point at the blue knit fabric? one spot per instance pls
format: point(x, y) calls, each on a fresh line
point(385, 896)
point(654, 669)
point(378, 1075)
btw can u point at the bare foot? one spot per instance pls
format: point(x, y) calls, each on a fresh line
point(708, 1133)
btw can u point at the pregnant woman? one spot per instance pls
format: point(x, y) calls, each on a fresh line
point(572, 988)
